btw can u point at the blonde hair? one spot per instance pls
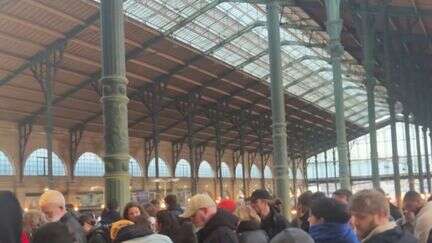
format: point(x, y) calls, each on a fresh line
point(246, 213)
point(52, 197)
point(32, 220)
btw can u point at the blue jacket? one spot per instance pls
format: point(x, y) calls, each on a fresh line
point(333, 233)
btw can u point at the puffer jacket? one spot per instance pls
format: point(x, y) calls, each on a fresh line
point(332, 233)
point(219, 229)
point(250, 232)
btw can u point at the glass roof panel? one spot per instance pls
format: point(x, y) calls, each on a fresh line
point(243, 25)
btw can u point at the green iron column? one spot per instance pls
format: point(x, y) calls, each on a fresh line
point(279, 134)
point(395, 154)
point(114, 103)
point(419, 158)
point(408, 152)
point(368, 63)
point(426, 154)
point(334, 28)
point(316, 172)
point(334, 167)
point(326, 172)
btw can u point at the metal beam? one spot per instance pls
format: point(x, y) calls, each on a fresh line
point(136, 52)
point(51, 47)
point(301, 79)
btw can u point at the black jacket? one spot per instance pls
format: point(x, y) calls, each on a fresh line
point(395, 212)
point(10, 218)
point(250, 232)
point(395, 235)
point(219, 229)
point(74, 227)
point(273, 223)
point(109, 217)
point(132, 232)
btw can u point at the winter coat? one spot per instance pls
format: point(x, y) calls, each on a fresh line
point(292, 235)
point(11, 218)
point(273, 223)
point(176, 210)
point(389, 233)
point(74, 227)
point(332, 233)
point(219, 229)
point(140, 234)
point(109, 217)
point(250, 232)
point(99, 234)
point(423, 223)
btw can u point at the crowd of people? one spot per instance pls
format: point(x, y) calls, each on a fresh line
point(367, 217)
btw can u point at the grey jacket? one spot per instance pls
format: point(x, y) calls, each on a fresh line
point(250, 232)
point(74, 228)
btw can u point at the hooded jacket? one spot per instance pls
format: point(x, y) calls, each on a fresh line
point(219, 229)
point(389, 233)
point(332, 233)
point(274, 223)
point(250, 232)
point(74, 227)
point(11, 218)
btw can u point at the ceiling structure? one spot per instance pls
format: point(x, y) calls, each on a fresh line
point(408, 24)
point(213, 52)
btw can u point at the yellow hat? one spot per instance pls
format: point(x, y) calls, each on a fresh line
point(117, 226)
point(197, 202)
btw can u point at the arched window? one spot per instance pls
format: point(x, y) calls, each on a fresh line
point(37, 164)
point(183, 169)
point(134, 168)
point(239, 171)
point(163, 168)
point(89, 164)
point(268, 172)
point(6, 168)
point(225, 170)
point(255, 172)
point(205, 170)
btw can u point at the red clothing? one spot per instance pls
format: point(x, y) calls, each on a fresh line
point(24, 238)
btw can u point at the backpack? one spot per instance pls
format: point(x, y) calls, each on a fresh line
point(101, 233)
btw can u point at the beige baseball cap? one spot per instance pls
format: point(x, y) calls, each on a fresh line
point(197, 202)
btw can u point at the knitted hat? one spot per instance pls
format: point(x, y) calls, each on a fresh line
point(227, 204)
point(52, 197)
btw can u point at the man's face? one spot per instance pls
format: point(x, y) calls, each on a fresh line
point(412, 206)
point(364, 223)
point(259, 206)
point(53, 212)
point(341, 199)
point(199, 219)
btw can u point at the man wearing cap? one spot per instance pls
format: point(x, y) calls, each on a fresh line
point(52, 204)
point(272, 222)
point(215, 225)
